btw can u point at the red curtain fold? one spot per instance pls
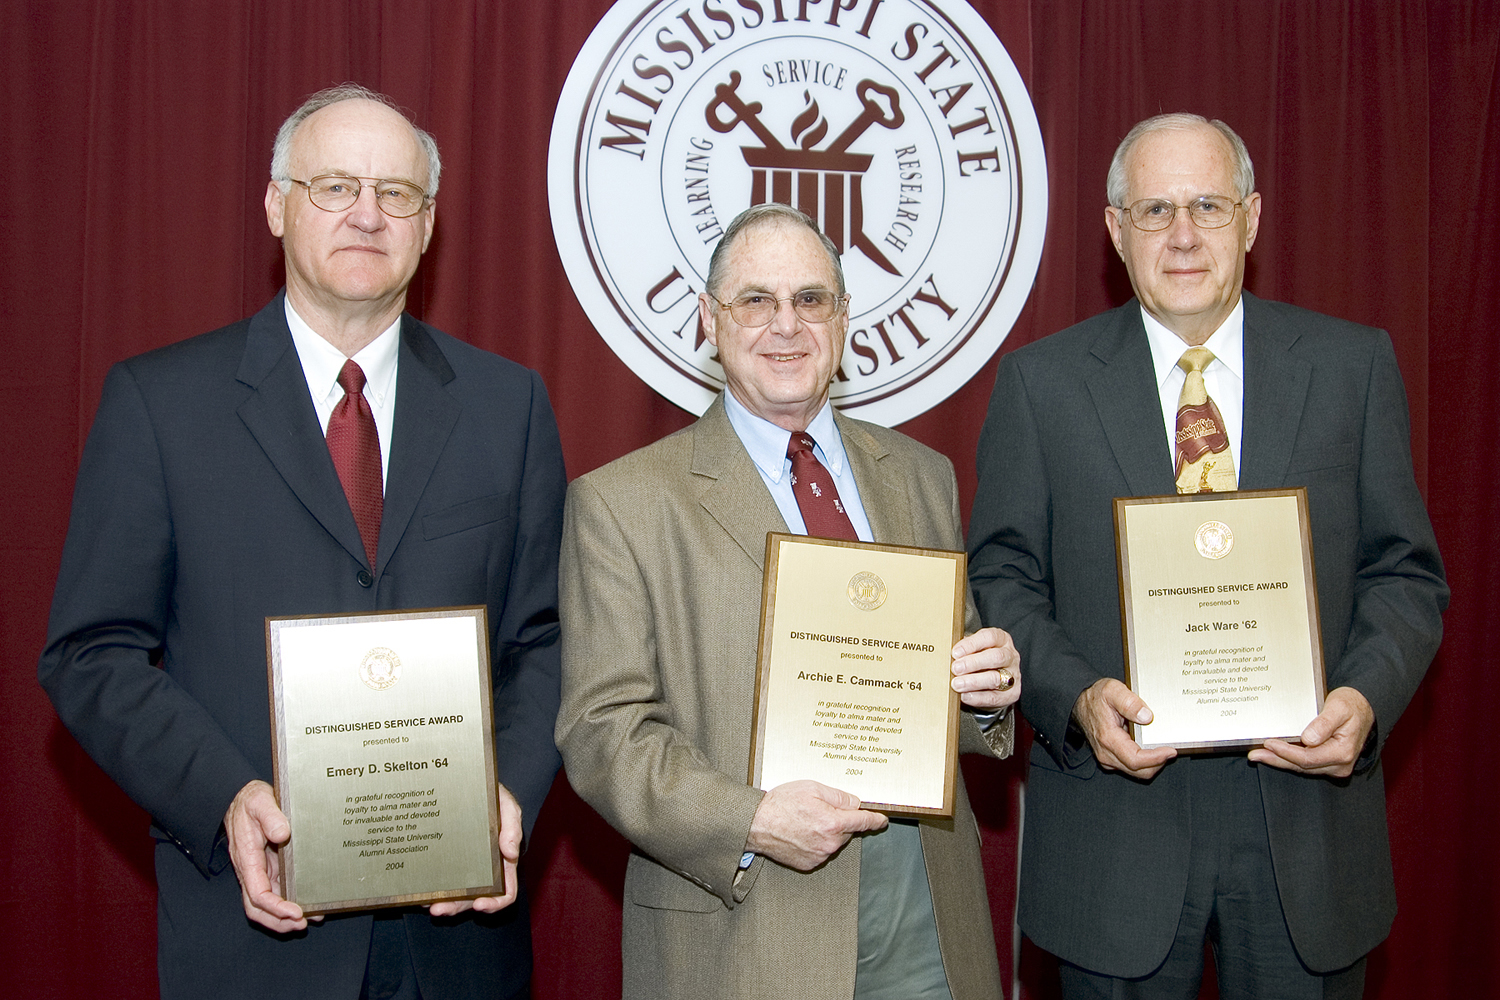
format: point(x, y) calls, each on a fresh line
point(137, 139)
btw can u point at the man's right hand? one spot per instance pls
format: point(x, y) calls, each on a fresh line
point(257, 827)
point(1102, 711)
point(802, 823)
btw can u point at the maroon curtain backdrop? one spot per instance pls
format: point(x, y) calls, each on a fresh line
point(136, 141)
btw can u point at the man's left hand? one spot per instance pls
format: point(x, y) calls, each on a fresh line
point(987, 670)
point(510, 850)
point(1331, 743)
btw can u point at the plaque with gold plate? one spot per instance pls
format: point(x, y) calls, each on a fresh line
point(1219, 615)
point(853, 677)
point(383, 746)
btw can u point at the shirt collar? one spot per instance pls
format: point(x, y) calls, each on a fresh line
point(1227, 344)
point(766, 442)
point(322, 362)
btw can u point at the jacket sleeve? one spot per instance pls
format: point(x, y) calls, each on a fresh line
point(623, 752)
point(1399, 591)
point(1010, 566)
point(111, 613)
point(527, 660)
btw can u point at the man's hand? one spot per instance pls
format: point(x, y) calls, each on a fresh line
point(987, 670)
point(1331, 743)
point(510, 850)
point(1102, 711)
point(802, 823)
point(257, 828)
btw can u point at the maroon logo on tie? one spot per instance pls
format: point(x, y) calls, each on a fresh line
point(1200, 431)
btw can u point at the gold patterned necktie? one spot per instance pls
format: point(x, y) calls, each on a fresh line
point(1203, 459)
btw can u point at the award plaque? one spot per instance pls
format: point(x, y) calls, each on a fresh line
point(853, 678)
point(1219, 613)
point(384, 752)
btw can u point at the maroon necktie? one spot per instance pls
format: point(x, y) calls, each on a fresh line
point(812, 485)
point(355, 446)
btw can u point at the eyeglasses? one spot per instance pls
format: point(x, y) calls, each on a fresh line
point(338, 192)
point(1155, 214)
point(812, 305)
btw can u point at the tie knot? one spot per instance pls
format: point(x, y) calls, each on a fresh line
point(352, 378)
point(800, 441)
point(1195, 359)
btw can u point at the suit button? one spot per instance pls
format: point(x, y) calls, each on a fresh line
point(364, 578)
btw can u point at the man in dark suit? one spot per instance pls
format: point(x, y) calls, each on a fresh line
point(1133, 857)
point(735, 892)
point(208, 499)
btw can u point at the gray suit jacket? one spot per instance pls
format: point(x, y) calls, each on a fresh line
point(660, 589)
point(1075, 421)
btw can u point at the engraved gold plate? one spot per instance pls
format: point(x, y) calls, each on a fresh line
point(853, 682)
point(384, 758)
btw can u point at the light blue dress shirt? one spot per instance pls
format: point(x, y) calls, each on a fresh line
point(767, 443)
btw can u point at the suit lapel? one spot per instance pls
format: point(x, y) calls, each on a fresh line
point(733, 493)
point(425, 417)
point(1129, 407)
point(1275, 393)
point(882, 493)
point(279, 414)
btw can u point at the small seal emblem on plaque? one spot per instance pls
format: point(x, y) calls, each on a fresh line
point(866, 591)
point(1214, 539)
point(380, 668)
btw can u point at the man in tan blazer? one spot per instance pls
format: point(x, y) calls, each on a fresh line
point(731, 891)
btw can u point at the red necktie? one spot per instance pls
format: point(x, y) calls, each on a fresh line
point(812, 485)
point(355, 446)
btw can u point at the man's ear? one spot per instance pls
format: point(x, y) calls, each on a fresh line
point(707, 309)
point(275, 207)
point(1114, 224)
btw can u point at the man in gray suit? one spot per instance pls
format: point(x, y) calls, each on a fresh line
point(1134, 857)
point(731, 891)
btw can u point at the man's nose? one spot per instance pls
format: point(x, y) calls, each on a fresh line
point(786, 321)
point(365, 213)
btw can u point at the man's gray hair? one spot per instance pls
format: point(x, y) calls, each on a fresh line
point(281, 151)
point(764, 214)
point(1117, 184)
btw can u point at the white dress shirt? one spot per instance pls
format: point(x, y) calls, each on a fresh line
point(1224, 377)
point(322, 362)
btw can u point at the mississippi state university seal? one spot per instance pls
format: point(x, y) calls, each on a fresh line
point(1214, 539)
point(901, 126)
point(866, 591)
point(380, 668)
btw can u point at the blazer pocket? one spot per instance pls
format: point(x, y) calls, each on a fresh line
point(1322, 456)
point(469, 514)
point(649, 884)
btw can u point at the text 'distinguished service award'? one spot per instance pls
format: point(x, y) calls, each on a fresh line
point(384, 757)
point(1220, 616)
point(853, 683)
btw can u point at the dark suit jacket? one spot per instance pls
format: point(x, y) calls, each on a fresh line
point(1075, 420)
point(661, 581)
point(206, 501)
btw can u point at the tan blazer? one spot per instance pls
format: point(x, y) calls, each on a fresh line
point(660, 597)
